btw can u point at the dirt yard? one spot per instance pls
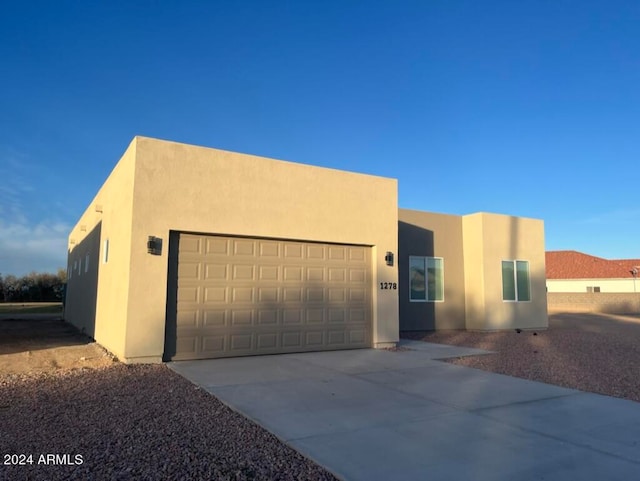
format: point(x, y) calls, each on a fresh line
point(39, 343)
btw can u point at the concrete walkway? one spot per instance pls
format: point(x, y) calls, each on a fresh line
point(383, 415)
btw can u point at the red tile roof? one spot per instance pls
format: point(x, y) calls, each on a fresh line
point(576, 265)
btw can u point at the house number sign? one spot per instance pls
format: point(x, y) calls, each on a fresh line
point(388, 285)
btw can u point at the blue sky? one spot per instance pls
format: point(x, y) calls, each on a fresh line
point(529, 108)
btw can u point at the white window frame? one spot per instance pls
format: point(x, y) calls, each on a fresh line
point(426, 281)
point(514, 262)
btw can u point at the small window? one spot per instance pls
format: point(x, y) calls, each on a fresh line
point(79, 266)
point(105, 251)
point(426, 282)
point(515, 281)
point(86, 264)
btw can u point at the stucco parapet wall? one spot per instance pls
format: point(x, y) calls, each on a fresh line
point(498, 215)
point(192, 189)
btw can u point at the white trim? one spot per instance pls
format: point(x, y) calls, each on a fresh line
point(515, 279)
point(426, 282)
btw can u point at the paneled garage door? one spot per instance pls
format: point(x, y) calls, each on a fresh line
point(241, 296)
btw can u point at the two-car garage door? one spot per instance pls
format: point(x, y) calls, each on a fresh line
point(240, 296)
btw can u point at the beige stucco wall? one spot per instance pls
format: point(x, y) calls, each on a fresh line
point(488, 240)
point(606, 285)
point(434, 235)
point(97, 301)
point(608, 302)
point(194, 189)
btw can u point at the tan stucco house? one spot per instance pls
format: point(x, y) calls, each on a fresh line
point(189, 252)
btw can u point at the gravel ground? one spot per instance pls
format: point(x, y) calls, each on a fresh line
point(145, 422)
point(137, 422)
point(592, 352)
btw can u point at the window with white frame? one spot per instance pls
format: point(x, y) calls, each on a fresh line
point(426, 279)
point(515, 281)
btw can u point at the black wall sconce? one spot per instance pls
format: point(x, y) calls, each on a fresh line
point(154, 245)
point(389, 258)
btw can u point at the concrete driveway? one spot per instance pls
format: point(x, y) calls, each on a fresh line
point(384, 415)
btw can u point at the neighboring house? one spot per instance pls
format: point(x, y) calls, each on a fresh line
point(188, 252)
point(572, 271)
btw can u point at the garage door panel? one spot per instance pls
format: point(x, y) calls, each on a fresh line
point(213, 344)
point(267, 294)
point(243, 273)
point(267, 341)
point(186, 345)
point(357, 315)
point(316, 252)
point(188, 294)
point(337, 253)
point(357, 275)
point(244, 247)
point(337, 295)
point(240, 296)
point(269, 273)
point(189, 270)
point(292, 316)
point(293, 274)
point(268, 317)
point(214, 272)
point(293, 251)
point(357, 294)
point(315, 294)
point(357, 336)
point(291, 340)
point(269, 249)
point(315, 338)
point(336, 315)
point(315, 274)
point(315, 315)
point(337, 337)
point(337, 274)
point(213, 295)
point(215, 245)
point(292, 294)
point(187, 318)
point(241, 317)
point(214, 318)
point(240, 342)
point(191, 245)
point(358, 254)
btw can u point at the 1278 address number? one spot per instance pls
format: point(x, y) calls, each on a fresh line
point(388, 285)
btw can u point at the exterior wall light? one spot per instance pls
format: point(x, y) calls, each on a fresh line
point(154, 245)
point(389, 258)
